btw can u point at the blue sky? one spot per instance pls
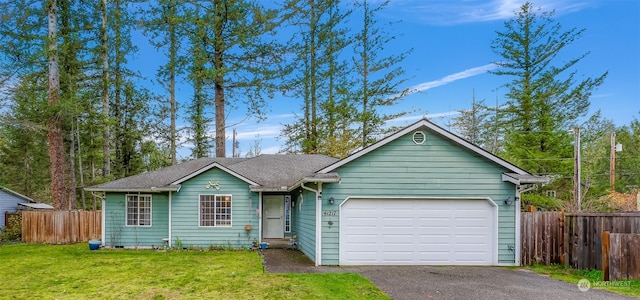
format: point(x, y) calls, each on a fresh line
point(452, 54)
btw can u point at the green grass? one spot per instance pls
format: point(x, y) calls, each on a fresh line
point(73, 271)
point(566, 273)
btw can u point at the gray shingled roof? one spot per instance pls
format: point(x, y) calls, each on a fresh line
point(270, 171)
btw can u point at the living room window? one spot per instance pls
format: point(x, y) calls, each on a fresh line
point(138, 210)
point(215, 210)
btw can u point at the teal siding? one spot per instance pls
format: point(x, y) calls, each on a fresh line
point(304, 221)
point(185, 211)
point(437, 168)
point(118, 234)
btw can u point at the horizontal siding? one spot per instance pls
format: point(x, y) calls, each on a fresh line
point(8, 202)
point(437, 168)
point(118, 234)
point(185, 211)
point(304, 223)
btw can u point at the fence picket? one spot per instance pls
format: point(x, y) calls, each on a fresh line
point(60, 227)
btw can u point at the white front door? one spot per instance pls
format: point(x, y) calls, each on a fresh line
point(273, 216)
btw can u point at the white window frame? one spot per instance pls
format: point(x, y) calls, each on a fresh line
point(215, 211)
point(287, 213)
point(139, 221)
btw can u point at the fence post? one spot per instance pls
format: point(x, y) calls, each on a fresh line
point(605, 255)
point(561, 243)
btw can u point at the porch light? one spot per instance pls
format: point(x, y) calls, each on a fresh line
point(331, 200)
point(508, 201)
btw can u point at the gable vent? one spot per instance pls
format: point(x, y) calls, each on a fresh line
point(419, 137)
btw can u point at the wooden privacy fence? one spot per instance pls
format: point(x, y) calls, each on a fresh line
point(620, 256)
point(571, 238)
point(542, 235)
point(60, 227)
point(583, 235)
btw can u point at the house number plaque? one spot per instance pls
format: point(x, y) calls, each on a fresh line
point(330, 212)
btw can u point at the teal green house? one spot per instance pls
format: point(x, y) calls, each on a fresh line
point(420, 196)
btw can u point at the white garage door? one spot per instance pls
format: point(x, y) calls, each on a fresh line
point(418, 232)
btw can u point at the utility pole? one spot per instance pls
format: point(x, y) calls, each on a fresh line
point(612, 168)
point(612, 165)
point(576, 166)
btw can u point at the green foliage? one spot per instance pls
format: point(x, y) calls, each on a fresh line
point(544, 97)
point(378, 77)
point(13, 231)
point(568, 274)
point(541, 202)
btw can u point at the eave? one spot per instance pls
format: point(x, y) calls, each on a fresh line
point(521, 179)
point(315, 178)
point(153, 189)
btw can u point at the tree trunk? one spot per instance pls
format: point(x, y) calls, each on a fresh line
point(55, 133)
point(106, 149)
point(72, 168)
point(218, 27)
point(173, 51)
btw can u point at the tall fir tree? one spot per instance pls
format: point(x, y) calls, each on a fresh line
point(544, 98)
point(244, 61)
point(319, 80)
point(379, 76)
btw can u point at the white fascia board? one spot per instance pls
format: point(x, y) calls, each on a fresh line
point(136, 190)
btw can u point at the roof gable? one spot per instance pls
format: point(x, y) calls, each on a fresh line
point(17, 195)
point(211, 166)
point(437, 129)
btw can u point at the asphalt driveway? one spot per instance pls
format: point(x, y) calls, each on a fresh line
point(430, 282)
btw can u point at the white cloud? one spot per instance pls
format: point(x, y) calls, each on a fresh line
point(258, 132)
point(447, 12)
point(451, 78)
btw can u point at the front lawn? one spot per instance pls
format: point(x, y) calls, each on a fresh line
point(74, 271)
point(567, 274)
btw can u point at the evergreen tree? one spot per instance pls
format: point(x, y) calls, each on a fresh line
point(479, 125)
point(55, 115)
point(320, 80)
point(544, 99)
point(244, 60)
point(162, 24)
point(198, 107)
point(379, 77)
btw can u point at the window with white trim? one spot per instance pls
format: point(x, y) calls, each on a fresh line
point(287, 213)
point(138, 210)
point(215, 210)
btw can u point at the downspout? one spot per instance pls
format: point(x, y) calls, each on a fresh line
point(103, 217)
point(259, 212)
point(518, 229)
point(318, 260)
point(170, 218)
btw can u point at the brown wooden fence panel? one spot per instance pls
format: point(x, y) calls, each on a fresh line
point(542, 234)
point(60, 227)
point(621, 258)
point(583, 242)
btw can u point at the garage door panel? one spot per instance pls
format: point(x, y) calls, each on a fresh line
point(417, 231)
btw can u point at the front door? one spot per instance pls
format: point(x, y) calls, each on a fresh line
point(273, 216)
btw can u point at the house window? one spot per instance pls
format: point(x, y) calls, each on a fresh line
point(287, 213)
point(215, 210)
point(138, 210)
